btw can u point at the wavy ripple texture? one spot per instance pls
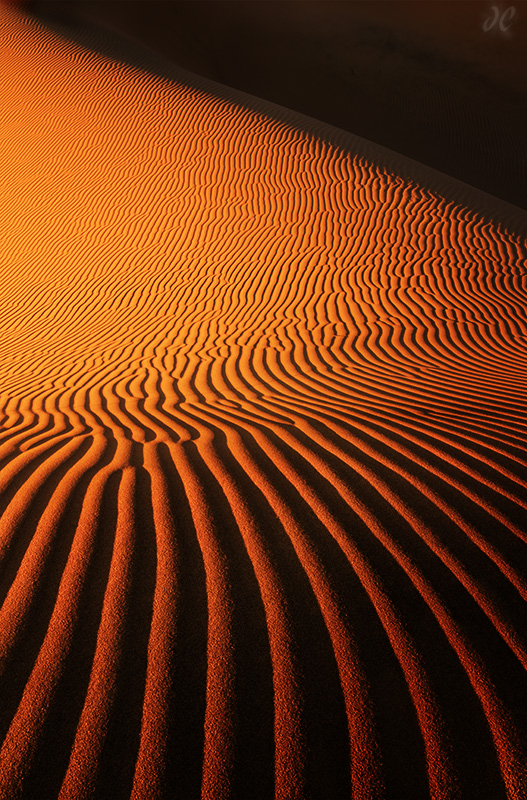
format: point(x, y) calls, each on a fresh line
point(263, 454)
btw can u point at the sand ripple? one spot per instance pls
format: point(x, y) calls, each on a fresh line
point(263, 454)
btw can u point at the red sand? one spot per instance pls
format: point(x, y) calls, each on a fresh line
point(263, 451)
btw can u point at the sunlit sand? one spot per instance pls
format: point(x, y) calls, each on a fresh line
point(263, 450)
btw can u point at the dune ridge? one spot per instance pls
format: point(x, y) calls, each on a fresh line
point(263, 452)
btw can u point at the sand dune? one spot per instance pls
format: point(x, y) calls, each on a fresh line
point(263, 450)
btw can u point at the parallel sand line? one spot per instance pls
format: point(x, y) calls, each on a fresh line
point(40, 687)
point(437, 786)
point(326, 343)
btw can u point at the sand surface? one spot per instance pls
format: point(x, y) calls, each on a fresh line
point(263, 449)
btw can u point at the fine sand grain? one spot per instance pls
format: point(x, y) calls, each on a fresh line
point(263, 449)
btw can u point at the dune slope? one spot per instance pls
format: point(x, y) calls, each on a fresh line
point(263, 452)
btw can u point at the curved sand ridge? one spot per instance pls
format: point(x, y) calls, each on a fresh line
point(263, 454)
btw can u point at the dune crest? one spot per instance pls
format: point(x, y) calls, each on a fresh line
point(263, 453)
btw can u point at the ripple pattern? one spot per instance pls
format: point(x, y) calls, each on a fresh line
point(263, 463)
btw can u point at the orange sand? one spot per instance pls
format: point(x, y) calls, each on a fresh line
point(263, 451)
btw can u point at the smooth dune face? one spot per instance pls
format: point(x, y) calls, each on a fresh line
point(263, 463)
